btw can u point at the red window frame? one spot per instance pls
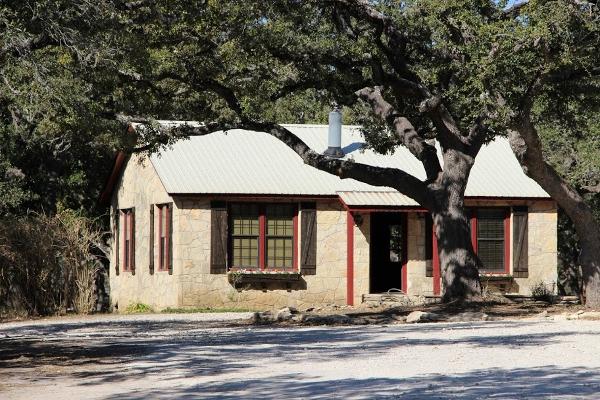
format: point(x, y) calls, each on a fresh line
point(164, 258)
point(262, 238)
point(474, 241)
point(128, 238)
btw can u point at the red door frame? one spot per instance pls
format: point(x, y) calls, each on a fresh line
point(404, 267)
point(436, 264)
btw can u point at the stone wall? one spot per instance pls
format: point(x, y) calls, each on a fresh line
point(362, 241)
point(140, 187)
point(543, 242)
point(200, 288)
point(418, 283)
point(192, 284)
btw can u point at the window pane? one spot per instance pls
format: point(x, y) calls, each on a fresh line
point(162, 253)
point(279, 252)
point(280, 233)
point(490, 238)
point(126, 261)
point(280, 219)
point(490, 224)
point(245, 252)
point(244, 219)
point(163, 221)
point(491, 254)
point(395, 243)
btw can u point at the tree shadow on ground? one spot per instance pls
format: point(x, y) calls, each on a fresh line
point(116, 351)
point(529, 383)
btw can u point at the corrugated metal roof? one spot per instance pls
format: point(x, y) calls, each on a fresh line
point(383, 199)
point(246, 162)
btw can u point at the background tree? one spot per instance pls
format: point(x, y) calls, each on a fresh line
point(562, 77)
point(57, 89)
point(575, 155)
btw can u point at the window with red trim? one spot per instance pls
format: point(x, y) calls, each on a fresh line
point(490, 238)
point(263, 236)
point(163, 228)
point(127, 238)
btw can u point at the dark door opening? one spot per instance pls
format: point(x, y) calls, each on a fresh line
point(388, 251)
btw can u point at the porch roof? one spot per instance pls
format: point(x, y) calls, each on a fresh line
point(378, 199)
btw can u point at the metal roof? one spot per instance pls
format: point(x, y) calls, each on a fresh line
point(371, 198)
point(247, 162)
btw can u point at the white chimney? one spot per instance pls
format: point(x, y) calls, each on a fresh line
point(334, 142)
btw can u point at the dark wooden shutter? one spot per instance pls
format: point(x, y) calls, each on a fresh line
point(132, 241)
point(428, 245)
point(151, 241)
point(308, 252)
point(117, 240)
point(520, 243)
point(170, 237)
point(218, 237)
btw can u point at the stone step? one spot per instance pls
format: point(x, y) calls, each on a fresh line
point(398, 299)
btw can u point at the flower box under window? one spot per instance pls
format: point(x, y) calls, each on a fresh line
point(261, 276)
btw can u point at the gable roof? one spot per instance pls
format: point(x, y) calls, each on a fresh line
point(245, 162)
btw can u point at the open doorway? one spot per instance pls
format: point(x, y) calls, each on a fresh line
point(388, 251)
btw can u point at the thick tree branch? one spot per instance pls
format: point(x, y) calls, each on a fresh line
point(592, 188)
point(404, 131)
point(345, 169)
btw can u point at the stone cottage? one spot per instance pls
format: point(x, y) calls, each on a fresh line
point(236, 219)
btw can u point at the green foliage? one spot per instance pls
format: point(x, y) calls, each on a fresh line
point(69, 67)
point(138, 308)
point(57, 124)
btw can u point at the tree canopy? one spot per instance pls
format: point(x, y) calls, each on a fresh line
point(460, 72)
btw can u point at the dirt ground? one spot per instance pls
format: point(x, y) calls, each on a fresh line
point(188, 356)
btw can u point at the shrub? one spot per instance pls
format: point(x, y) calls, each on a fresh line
point(542, 292)
point(138, 308)
point(49, 264)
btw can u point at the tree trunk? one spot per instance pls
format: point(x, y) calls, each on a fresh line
point(458, 262)
point(527, 146)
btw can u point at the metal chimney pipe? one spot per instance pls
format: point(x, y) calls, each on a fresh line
point(334, 142)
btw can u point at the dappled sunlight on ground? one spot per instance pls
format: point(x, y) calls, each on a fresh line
point(186, 358)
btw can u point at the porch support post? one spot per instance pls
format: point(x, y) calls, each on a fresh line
point(349, 258)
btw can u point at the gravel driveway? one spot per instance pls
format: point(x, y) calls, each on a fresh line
point(196, 356)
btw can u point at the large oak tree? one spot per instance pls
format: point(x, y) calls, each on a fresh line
point(459, 72)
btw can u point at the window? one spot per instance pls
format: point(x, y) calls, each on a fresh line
point(280, 236)
point(245, 235)
point(263, 236)
point(490, 240)
point(128, 238)
point(164, 236)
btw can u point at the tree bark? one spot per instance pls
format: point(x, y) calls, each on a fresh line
point(458, 262)
point(526, 144)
